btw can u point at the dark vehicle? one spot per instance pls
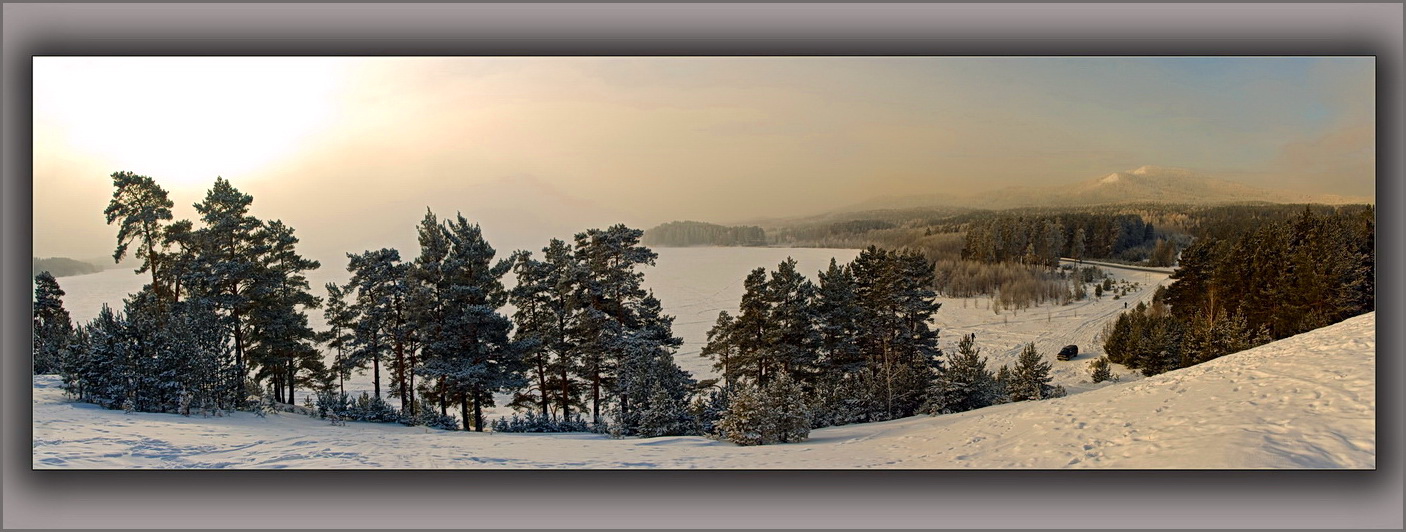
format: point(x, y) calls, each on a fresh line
point(1068, 353)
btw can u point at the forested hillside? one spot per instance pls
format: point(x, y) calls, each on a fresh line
point(680, 234)
point(62, 267)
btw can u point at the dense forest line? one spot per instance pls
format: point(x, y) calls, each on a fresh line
point(223, 326)
point(63, 267)
point(686, 233)
point(1269, 282)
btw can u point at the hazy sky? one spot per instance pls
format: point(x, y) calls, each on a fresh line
point(351, 151)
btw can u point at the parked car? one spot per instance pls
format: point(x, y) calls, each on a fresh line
point(1068, 353)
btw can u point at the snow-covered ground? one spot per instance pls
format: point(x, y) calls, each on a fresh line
point(1302, 402)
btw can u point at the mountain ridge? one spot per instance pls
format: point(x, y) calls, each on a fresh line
point(1145, 184)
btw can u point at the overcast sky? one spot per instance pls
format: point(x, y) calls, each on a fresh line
point(351, 151)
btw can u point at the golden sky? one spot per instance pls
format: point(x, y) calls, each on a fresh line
point(350, 151)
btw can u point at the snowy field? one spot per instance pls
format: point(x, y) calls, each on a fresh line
point(1303, 402)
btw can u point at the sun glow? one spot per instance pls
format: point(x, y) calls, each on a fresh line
point(181, 120)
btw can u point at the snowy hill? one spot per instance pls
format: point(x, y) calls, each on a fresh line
point(1303, 402)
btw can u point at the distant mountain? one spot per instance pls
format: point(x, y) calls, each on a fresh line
point(1147, 184)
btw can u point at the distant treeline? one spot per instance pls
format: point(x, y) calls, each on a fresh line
point(1043, 239)
point(687, 233)
point(63, 267)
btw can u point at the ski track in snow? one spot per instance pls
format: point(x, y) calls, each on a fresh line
point(1303, 402)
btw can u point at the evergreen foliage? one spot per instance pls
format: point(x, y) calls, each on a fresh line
point(139, 207)
point(963, 383)
point(52, 331)
point(464, 339)
point(1030, 379)
point(761, 415)
point(1100, 370)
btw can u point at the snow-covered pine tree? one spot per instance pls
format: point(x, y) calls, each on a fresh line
point(963, 383)
point(606, 286)
point(665, 414)
point(792, 340)
point(104, 377)
point(340, 320)
point(791, 408)
point(281, 341)
point(53, 329)
point(378, 279)
point(1030, 378)
point(749, 329)
point(545, 314)
point(749, 419)
point(837, 315)
point(707, 410)
point(470, 348)
point(225, 267)
point(647, 363)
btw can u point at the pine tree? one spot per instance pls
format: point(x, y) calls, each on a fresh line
point(53, 329)
point(963, 383)
point(838, 322)
point(791, 409)
point(471, 348)
point(606, 287)
point(646, 363)
point(750, 329)
point(105, 376)
point(1030, 378)
point(377, 277)
point(749, 419)
point(281, 339)
point(1100, 370)
point(340, 318)
point(545, 315)
point(225, 268)
point(722, 349)
point(141, 206)
point(792, 342)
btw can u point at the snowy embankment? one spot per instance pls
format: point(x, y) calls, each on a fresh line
point(1303, 402)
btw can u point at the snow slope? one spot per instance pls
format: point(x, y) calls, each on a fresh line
point(1303, 402)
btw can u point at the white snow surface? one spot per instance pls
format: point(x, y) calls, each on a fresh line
point(1303, 402)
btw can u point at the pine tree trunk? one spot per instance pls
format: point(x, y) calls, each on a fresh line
point(404, 374)
point(565, 395)
point(542, 388)
point(292, 382)
point(595, 397)
point(376, 380)
point(442, 398)
point(478, 410)
point(464, 410)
